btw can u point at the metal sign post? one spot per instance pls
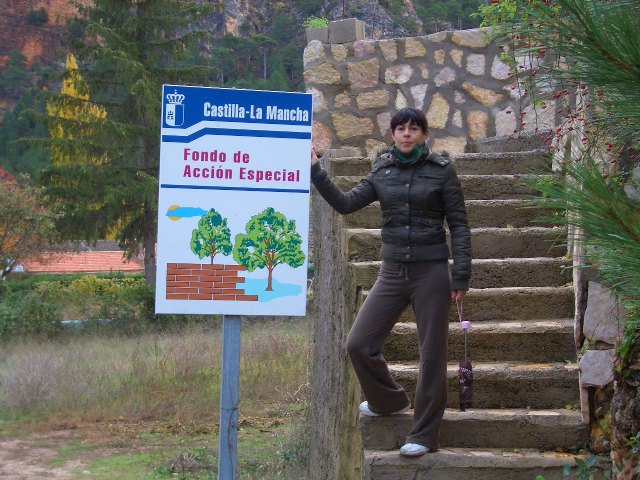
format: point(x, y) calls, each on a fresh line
point(229, 389)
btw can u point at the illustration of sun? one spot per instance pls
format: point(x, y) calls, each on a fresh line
point(171, 208)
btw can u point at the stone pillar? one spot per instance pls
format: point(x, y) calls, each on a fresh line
point(336, 446)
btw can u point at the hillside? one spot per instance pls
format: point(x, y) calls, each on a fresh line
point(21, 27)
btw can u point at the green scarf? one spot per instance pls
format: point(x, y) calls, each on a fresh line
point(411, 157)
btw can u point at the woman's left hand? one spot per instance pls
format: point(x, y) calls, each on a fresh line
point(458, 295)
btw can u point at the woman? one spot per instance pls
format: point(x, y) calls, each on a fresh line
point(417, 191)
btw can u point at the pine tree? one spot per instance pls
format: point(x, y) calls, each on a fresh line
point(127, 50)
point(590, 50)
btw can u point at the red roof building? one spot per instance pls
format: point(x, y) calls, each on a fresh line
point(83, 262)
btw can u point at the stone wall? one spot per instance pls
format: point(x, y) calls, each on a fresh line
point(457, 78)
point(603, 327)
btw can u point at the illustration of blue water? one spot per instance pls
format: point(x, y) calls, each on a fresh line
point(256, 286)
point(186, 212)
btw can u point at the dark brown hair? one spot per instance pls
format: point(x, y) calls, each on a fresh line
point(411, 115)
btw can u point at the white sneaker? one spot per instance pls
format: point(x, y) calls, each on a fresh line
point(364, 410)
point(414, 450)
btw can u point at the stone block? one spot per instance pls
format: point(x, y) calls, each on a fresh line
point(319, 103)
point(499, 69)
point(446, 75)
point(324, 74)
point(418, 92)
point(471, 38)
point(456, 55)
point(486, 97)
point(322, 137)
point(401, 101)
point(339, 52)
point(438, 112)
point(604, 316)
point(373, 99)
point(349, 126)
point(313, 51)
point(346, 31)
point(398, 74)
point(364, 74)
point(389, 50)
point(477, 121)
point(414, 48)
point(320, 34)
point(596, 368)
point(362, 48)
point(449, 144)
point(476, 64)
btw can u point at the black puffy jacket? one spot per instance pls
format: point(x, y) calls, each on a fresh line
point(415, 200)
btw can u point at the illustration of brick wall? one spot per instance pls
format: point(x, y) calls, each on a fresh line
point(194, 281)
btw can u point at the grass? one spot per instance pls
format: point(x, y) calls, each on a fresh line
point(146, 406)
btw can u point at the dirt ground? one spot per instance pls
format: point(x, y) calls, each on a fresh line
point(29, 457)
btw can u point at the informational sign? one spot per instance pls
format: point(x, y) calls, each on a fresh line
point(233, 212)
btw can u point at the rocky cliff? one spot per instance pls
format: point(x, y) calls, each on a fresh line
point(238, 17)
point(35, 40)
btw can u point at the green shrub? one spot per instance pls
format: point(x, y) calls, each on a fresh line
point(37, 17)
point(315, 22)
point(35, 313)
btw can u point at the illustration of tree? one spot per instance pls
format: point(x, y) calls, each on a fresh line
point(212, 236)
point(270, 240)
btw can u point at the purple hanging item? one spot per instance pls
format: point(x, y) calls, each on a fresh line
point(465, 370)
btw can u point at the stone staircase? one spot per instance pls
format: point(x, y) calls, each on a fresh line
point(526, 412)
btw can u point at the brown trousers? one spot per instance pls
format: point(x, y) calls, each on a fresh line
point(426, 286)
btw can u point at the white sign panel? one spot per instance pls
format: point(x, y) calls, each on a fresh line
point(233, 213)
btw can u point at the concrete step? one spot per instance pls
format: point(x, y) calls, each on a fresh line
point(484, 428)
point(481, 213)
point(505, 384)
point(493, 273)
point(473, 464)
point(534, 341)
point(501, 163)
point(518, 142)
point(497, 187)
point(510, 304)
point(478, 187)
point(364, 243)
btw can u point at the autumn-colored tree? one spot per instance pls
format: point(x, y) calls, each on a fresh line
point(270, 240)
point(126, 50)
point(27, 224)
point(73, 118)
point(212, 236)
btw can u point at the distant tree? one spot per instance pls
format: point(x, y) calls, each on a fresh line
point(267, 45)
point(288, 60)
point(270, 240)
point(20, 125)
point(27, 224)
point(15, 79)
point(127, 50)
point(284, 28)
point(37, 17)
point(212, 236)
